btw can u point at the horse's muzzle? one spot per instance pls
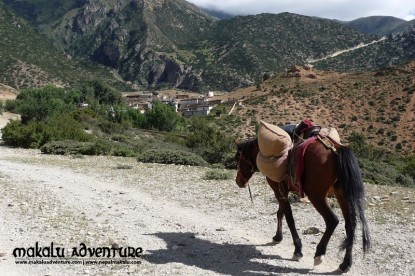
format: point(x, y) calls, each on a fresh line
point(241, 181)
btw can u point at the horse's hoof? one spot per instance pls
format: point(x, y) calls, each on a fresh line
point(318, 260)
point(297, 257)
point(342, 270)
point(276, 239)
point(339, 270)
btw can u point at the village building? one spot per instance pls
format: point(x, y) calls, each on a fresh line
point(183, 103)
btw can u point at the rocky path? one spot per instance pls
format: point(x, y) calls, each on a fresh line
point(184, 224)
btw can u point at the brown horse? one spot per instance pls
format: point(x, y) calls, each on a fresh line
point(324, 168)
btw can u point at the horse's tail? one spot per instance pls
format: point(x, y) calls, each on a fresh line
point(350, 179)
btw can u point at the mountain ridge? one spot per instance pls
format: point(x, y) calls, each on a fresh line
point(173, 43)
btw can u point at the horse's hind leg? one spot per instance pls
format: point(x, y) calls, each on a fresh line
point(348, 242)
point(331, 221)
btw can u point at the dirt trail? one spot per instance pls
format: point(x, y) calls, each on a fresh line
point(185, 225)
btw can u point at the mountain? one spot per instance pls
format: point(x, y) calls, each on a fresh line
point(396, 49)
point(136, 38)
point(218, 14)
point(378, 25)
point(30, 59)
point(249, 46)
point(174, 43)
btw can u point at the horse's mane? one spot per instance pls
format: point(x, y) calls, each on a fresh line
point(246, 147)
point(247, 144)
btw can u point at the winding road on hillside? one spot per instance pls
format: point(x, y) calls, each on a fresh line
point(361, 45)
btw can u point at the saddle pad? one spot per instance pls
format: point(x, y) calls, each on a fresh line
point(331, 133)
point(273, 141)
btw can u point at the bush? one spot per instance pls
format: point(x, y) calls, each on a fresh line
point(217, 175)
point(166, 156)
point(409, 167)
point(10, 106)
point(40, 104)
point(68, 147)
point(35, 134)
point(405, 180)
point(208, 142)
point(123, 151)
point(229, 160)
point(162, 117)
point(16, 134)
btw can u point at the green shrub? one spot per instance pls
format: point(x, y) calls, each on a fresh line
point(123, 167)
point(167, 156)
point(10, 106)
point(68, 147)
point(409, 167)
point(217, 175)
point(34, 134)
point(405, 180)
point(16, 134)
point(40, 104)
point(162, 117)
point(208, 142)
point(229, 160)
point(123, 151)
point(102, 147)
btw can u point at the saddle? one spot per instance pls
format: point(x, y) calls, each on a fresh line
point(302, 131)
point(327, 136)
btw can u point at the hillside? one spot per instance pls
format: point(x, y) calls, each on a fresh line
point(394, 50)
point(174, 43)
point(246, 47)
point(136, 38)
point(29, 59)
point(379, 25)
point(379, 104)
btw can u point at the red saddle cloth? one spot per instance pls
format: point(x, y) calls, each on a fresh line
point(296, 165)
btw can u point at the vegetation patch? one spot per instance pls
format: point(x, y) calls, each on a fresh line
point(166, 156)
point(217, 175)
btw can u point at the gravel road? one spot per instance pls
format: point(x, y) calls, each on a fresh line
point(184, 224)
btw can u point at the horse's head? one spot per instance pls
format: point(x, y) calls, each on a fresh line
point(245, 158)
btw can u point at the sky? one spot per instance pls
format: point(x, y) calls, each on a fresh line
point(345, 10)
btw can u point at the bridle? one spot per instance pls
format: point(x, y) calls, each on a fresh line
point(249, 162)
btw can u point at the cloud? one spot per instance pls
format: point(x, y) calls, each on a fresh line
point(333, 9)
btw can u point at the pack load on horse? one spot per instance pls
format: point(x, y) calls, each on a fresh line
point(313, 163)
point(274, 144)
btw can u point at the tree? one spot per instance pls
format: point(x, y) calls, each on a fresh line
point(162, 117)
point(40, 104)
point(101, 93)
point(210, 143)
point(358, 143)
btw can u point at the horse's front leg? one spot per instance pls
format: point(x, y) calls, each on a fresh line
point(285, 204)
point(280, 215)
point(281, 193)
